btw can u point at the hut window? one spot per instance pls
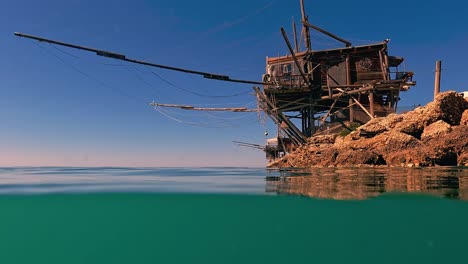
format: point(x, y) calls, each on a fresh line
point(306, 67)
point(287, 68)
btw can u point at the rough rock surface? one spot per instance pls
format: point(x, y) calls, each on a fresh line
point(432, 135)
point(464, 119)
point(436, 129)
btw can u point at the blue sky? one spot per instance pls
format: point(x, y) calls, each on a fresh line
point(66, 107)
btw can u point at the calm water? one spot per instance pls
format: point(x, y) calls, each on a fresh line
point(233, 215)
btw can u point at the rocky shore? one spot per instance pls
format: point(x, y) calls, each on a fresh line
point(431, 135)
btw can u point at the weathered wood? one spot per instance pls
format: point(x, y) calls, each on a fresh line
point(371, 104)
point(349, 93)
point(330, 93)
point(217, 109)
point(437, 78)
point(329, 111)
point(362, 107)
point(387, 70)
point(321, 30)
point(299, 67)
point(278, 117)
point(351, 110)
point(122, 57)
point(382, 64)
point(296, 43)
point(348, 70)
point(305, 29)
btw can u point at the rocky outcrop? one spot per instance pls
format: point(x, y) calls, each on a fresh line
point(464, 118)
point(432, 135)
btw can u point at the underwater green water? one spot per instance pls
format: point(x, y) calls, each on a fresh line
point(230, 228)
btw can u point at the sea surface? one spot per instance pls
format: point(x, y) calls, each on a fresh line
point(233, 215)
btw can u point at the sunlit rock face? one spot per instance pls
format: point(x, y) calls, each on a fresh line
point(431, 135)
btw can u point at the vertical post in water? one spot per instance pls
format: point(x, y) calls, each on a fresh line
point(371, 104)
point(348, 82)
point(437, 78)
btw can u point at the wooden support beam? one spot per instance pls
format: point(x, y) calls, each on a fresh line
point(329, 111)
point(348, 92)
point(362, 107)
point(299, 67)
point(351, 110)
point(288, 104)
point(321, 30)
point(278, 117)
point(382, 65)
point(216, 109)
point(387, 65)
point(330, 93)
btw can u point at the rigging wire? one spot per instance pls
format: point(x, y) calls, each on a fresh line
point(139, 100)
point(195, 93)
point(208, 114)
point(141, 79)
point(84, 59)
point(157, 109)
point(101, 83)
point(106, 64)
point(199, 124)
point(225, 25)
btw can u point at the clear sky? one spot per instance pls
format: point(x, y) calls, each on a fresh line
point(66, 107)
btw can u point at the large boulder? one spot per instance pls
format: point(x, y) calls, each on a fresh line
point(464, 118)
point(436, 129)
point(413, 122)
point(451, 105)
point(323, 139)
point(379, 125)
point(448, 106)
point(447, 150)
point(372, 128)
point(359, 157)
point(397, 141)
point(462, 159)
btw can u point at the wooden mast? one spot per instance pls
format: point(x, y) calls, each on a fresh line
point(305, 19)
point(296, 43)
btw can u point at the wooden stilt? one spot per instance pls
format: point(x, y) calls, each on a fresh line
point(371, 104)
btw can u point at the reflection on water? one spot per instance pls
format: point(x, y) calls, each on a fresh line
point(363, 183)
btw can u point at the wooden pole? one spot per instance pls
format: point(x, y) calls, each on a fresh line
point(437, 78)
point(305, 28)
point(189, 107)
point(299, 67)
point(371, 103)
point(122, 57)
point(362, 107)
point(348, 82)
point(321, 30)
point(351, 110)
point(348, 70)
point(296, 43)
